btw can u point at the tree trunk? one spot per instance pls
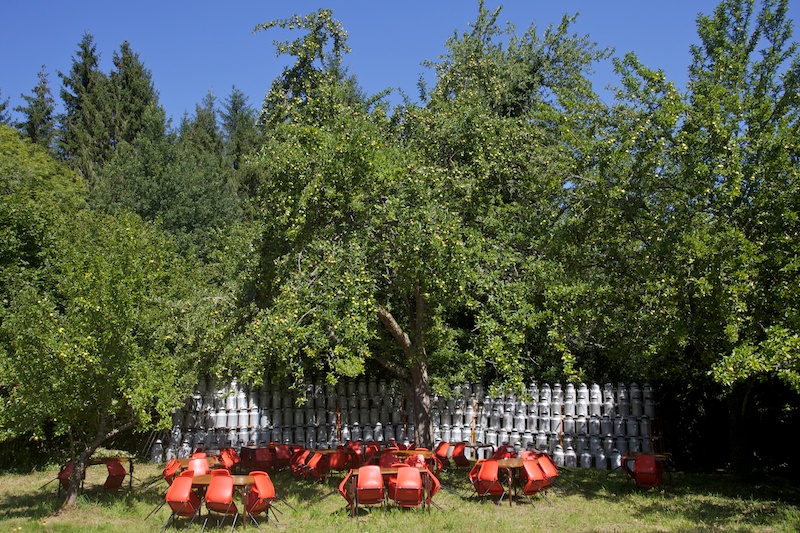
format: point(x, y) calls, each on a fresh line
point(417, 390)
point(420, 392)
point(78, 472)
point(76, 478)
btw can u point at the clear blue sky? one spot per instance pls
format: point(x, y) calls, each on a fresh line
point(195, 46)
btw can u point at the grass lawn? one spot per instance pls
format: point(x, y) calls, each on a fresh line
point(596, 502)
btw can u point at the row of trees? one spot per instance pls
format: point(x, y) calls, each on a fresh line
point(508, 226)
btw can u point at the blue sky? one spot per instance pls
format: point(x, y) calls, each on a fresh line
point(192, 47)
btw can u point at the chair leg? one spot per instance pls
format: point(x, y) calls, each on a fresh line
point(156, 509)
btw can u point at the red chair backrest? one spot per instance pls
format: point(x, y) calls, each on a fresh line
point(369, 476)
point(65, 473)
point(533, 477)
point(116, 475)
point(316, 467)
point(369, 488)
point(409, 478)
point(647, 471)
point(171, 470)
point(408, 487)
point(261, 494)
point(527, 455)
point(340, 460)
point(283, 455)
point(180, 496)
point(199, 466)
point(503, 452)
point(487, 481)
point(263, 459)
point(358, 453)
point(416, 460)
point(442, 448)
point(387, 459)
point(219, 493)
point(458, 449)
point(548, 466)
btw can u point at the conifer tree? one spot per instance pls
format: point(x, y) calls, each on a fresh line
point(5, 116)
point(238, 127)
point(38, 123)
point(84, 139)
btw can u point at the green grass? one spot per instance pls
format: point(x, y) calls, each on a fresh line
point(597, 502)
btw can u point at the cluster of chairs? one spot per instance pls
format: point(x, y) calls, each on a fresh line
point(537, 473)
point(405, 488)
point(185, 501)
point(116, 475)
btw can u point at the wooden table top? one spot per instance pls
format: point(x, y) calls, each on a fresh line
point(212, 461)
point(239, 480)
point(514, 462)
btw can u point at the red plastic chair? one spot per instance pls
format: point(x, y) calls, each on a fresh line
point(228, 459)
point(486, 479)
point(340, 461)
point(283, 456)
point(181, 499)
point(416, 460)
point(533, 478)
point(198, 466)
point(547, 465)
point(388, 459)
point(441, 455)
point(370, 489)
point(527, 455)
point(369, 455)
point(459, 457)
point(298, 462)
point(357, 451)
point(219, 497)
point(316, 468)
point(64, 475)
point(260, 498)
point(434, 487)
point(171, 470)
point(647, 471)
point(406, 490)
point(263, 459)
point(503, 452)
point(116, 475)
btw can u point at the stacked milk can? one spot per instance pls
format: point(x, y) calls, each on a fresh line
point(367, 410)
point(586, 426)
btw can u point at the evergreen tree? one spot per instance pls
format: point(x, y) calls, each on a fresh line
point(132, 92)
point(238, 127)
point(5, 116)
point(202, 131)
point(38, 123)
point(84, 140)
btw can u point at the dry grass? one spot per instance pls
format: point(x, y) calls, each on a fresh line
point(598, 502)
